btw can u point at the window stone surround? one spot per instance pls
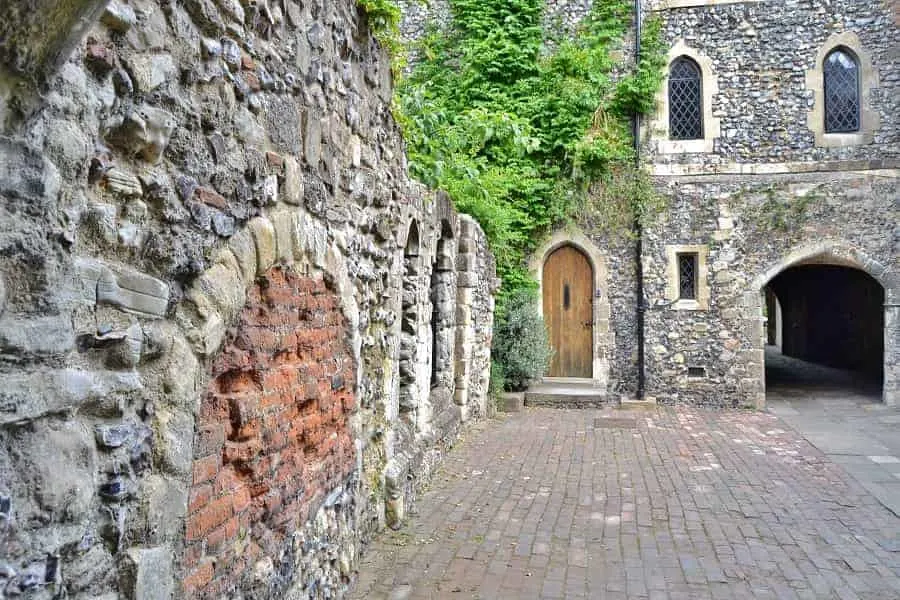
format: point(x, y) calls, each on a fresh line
point(659, 124)
point(868, 80)
point(673, 294)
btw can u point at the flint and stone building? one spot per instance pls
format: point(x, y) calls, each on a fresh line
point(235, 338)
point(776, 145)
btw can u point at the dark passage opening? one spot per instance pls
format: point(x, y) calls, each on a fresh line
point(826, 329)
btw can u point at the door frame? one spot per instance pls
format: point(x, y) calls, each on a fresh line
point(602, 336)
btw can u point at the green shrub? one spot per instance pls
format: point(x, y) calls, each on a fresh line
point(521, 346)
point(495, 387)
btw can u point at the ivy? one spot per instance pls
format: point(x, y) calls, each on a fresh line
point(522, 135)
point(778, 210)
point(384, 21)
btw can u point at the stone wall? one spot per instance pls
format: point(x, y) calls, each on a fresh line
point(764, 190)
point(765, 100)
point(273, 437)
point(767, 190)
point(204, 208)
point(753, 228)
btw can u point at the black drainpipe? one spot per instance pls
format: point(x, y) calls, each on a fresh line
point(638, 228)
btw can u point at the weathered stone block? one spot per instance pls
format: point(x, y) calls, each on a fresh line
point(144, 131)
point(264, 239)
point(218, 289)
point(292, 191)
point(466, 262)
point(283, 224)
point(148, 574)
point(148, 72)
point(121, 286)
point(244, 249)
point(164, 504)
point(467, 279)
point(44, 336)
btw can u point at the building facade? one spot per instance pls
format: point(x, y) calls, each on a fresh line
point(775, 143)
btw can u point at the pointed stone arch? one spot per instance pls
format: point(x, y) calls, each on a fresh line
point(409, 324)
point(829, 252)
point(603, 337)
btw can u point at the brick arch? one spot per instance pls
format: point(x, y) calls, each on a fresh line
point(839, 254)
point(273, 435)
point(275, 320)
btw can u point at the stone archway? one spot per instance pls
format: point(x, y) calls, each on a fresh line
point(409, 325)
point(833, 254)
point(602, 337)
point(442, 308)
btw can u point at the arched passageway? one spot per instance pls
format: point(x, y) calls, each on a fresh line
point(826, 327)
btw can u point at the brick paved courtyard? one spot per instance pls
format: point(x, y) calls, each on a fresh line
point(674, 503)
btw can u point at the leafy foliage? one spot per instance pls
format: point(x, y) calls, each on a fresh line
point(521, 347)
point(384, 21)
point(497, 384)
point(518, 134)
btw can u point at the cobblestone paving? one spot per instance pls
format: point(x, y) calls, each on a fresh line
point(688, 503)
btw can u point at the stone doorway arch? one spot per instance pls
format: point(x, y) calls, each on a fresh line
point(835, 254)
point(602, 338)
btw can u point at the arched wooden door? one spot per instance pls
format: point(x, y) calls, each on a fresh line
point(567, 284)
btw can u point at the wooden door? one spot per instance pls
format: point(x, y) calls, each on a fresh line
point(568, 312)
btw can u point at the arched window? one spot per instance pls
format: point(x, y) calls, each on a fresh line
point(841, 74)
point(685, 100)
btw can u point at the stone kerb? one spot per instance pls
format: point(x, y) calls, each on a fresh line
point(829, 252)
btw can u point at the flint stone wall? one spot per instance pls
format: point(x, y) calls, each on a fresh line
point(185, 165)
point(767, 193)
point(752, 228)
point(761, 54)
point(762, 194)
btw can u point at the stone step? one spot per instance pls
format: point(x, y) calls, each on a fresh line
point(648, 403)
point(512, 402)
point(564, 400)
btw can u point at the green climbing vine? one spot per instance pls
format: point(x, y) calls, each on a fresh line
point(774, 208)
point(384, 21)
point(523, 134)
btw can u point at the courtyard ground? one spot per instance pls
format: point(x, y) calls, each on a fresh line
point(677, 502)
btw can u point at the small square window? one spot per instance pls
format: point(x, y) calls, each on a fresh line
point(687, 275)
point(687, 286)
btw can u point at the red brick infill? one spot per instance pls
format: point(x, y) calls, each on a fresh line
point(272, 435)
